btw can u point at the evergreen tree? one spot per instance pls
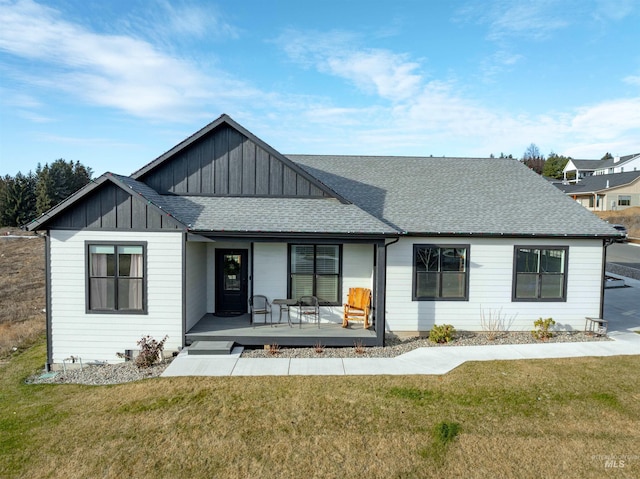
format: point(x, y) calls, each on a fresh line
point(554, 165)
point(19, 200)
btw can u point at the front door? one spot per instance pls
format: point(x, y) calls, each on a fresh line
point(231, 281)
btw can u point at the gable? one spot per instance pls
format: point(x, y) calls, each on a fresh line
point(224, 160)
point(107, 206)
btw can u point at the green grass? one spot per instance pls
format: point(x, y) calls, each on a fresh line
point(490, 419)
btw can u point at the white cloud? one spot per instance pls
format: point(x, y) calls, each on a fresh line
point(110, 70)
point(632, 80)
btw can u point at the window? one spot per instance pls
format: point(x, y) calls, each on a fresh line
point(540, 274)
point(116, 281)
point(440, 272)
point(315, 271)
point(624, 200)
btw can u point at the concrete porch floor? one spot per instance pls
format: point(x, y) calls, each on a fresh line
point(239, 329)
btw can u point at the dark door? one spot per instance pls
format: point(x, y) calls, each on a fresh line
point(231, 281)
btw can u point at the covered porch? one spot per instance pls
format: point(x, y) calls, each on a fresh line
point(240, 330)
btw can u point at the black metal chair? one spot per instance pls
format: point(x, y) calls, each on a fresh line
point(310, 308)
point(259, 304)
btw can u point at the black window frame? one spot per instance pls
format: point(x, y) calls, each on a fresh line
point(539, 274)
point(415, 297)
point(624, 200)
point(115, 310)
point(315, 275)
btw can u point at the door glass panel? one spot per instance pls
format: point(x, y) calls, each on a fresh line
point(231, 276)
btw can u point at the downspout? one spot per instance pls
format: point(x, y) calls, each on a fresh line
point(184, 289)
point(47, 259)
point(605, 244)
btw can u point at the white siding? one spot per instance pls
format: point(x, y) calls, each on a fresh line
point(270, 273)
point(196, 282)
point(490, 281)
point(98, 337)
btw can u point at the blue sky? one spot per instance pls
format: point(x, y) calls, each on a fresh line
point(114, 84)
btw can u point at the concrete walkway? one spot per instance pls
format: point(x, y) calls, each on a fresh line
point(622, 309)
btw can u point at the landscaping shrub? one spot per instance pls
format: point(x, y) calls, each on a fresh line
point(441, 334)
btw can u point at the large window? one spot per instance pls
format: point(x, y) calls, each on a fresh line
point(540, 274)
point(440, 272)
point(624, 200)
point(315, 271)
point(116, 281)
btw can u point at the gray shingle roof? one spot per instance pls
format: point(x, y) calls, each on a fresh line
point(271, 215)
point(455, 195)
point(600, 182)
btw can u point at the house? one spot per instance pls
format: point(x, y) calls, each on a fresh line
point(615, 191)
point(179, 246)
point(576, 170)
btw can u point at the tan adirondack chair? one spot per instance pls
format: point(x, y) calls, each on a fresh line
point(358, 307)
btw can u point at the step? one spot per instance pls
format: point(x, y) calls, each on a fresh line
point(210, 347)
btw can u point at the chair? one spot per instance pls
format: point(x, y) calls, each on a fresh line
point(259, 304)
point(358, 307)
point(309, 307)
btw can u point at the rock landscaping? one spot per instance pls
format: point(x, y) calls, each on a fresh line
point(128, 371)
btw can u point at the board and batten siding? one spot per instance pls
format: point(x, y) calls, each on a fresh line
point(98, 337)
point(196, 282)
point(270, 274)
point(490, 287)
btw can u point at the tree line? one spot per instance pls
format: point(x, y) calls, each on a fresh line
point(551, 166)
point(25, 197)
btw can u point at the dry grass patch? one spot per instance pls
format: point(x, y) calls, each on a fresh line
point(513, 419)
point(629, 217)
point(22, 296)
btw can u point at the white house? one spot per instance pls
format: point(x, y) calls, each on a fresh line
point(178, 247)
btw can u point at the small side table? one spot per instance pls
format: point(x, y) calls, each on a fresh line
point(285, 306)
point(597, 326)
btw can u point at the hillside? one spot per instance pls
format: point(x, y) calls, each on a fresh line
point(22, 294)
point(629, 217)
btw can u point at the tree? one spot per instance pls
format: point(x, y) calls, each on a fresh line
point(533, 159)
point(554, 165)
point(18, 202)
point(532, 152)
point(607, 156)
point(58, 181)
point(24, 197)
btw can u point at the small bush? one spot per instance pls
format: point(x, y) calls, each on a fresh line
point(318, 348)
point(543, 328)
point(150, 351)
point(441, 334)
point(359, 347)
point(273, 349)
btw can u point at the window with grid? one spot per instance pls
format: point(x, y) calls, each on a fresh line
point(315, 271)
point(540, 274)
point(116, 278)
point(440, 272)
point(624, 200)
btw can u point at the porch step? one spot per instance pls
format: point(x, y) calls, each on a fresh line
point(210, 347)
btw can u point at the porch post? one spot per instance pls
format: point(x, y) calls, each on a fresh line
point(380, 291)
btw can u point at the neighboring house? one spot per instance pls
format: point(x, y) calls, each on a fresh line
point(615, 191)
point(223, 216)
point(575, 170)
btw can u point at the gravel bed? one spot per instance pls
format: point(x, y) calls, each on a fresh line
point(127, 371)
point(396, 346)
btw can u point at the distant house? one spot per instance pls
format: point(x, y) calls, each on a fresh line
point(178, 247)
point(576, 170)
point(615, 191)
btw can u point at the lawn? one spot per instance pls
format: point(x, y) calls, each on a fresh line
point(543, 418)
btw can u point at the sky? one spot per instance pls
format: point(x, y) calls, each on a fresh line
point(114, 84)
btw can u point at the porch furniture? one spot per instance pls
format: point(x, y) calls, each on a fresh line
point(309, 307)
point(285, 305)
point(357, 307)
point(259, 304)
point(597, 326)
